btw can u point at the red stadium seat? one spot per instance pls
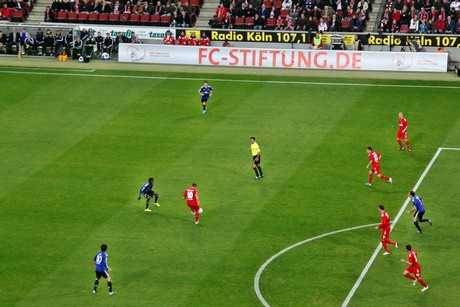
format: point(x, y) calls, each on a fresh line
point(271, 23)
point(113, 18)
point(284, 13)
point(194, 3)
point(72, 17)
point(145, 19)
point(165, 21)
point(124, 18)
point(239, 22)
point(268, 4)
point(278, 4)
point(155, 20)
point(82, 17)
point(134, 19)
point(61, 16)
point(249, 22)
point(345, 25)
point(93, 17)
point(103, 18)
point(17, 16)
point(404, 29)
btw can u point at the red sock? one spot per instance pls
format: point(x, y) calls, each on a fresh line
point(391, 242)
point(408, 145)
point(410, 276)
point(400, 143)
point(384, 244)
point(422, 282)
point(197, 215)
point(385, 177)
point(370, 178)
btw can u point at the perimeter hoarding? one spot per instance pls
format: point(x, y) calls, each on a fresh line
point(283, 58)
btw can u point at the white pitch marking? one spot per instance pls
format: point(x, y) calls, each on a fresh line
point(238, 80)
point(401, 211)
point(262, 268)
point(47, 69)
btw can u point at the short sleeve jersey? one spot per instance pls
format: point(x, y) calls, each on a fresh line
point(190, 194)
point(101, 262)
point(418, 203)
point(412, 255)
point(205, 90)
point(403, 124)
point(255, 149)
point(374, 157)
point(145, 188)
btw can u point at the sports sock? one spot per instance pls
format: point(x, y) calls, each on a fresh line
point(400, 143)
point(156, 198)
point(410, 276)
point(370, 178)
point(424, 220)
point(418, 226)
point(408, 145)
point(260, 170)
point(385, 177)
point(384, 244)
point(96, 283)
point(109, 283)
point(147, 203)
point(422, 282)
point(256, 171)
point(197, 215)
point(391, 242)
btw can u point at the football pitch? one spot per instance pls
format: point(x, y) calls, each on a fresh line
point(78, 144)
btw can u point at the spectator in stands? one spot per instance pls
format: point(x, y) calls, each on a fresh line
point(5, 12)
point(30, 46)
point(287, 5)
point(77, 48)
point(168, 10)
point(64, 6)
point(40, 41)
point(104, 7)
point(158, 9)
point(322, 25)
point(175, 20)
point(317, 42)
point(185, 23)
point(335, 24)
point(137, 8)
point(264, 12)
point(398, 5)
point(433, 15)
point(94, 6)
point(326, 13)
point(221, 11)
point(311, 25)
point(250, 11)
point(394, 27)
point(99, 42)
point(227, 22)
point(55, 6)
point(259, 22)
point(422, 28)
point(363, 5)
point(127, 8)
point(48, 43)
point(418, 4)
point(362, 17)
point(280, 23)
point(414, 24)
point(90, 43)
point(301, 23)
point(49, 16)
point(168, 39)
point(439, 25)
point(192, 40)
point(182, 40)
point(396, 15)
point(117, 8)
point(75, 7)
point(59, 43)
point(204, 41)
point(384, 25)
point(355, 24)
point(84, 6)
point(17, 5)
point(423, 15)
point(451, 26)
point(107, 44)
point(350, 13)
point(455, 4)
point(289, 24)
point(316, 13)
point(405, 16)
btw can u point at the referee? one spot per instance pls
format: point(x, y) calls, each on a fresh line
point(255, 150)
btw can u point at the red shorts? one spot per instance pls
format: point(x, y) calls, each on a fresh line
point(376, 169)
point(386, 234)
point(194, 208)
point(401, 135)
point(415, 269)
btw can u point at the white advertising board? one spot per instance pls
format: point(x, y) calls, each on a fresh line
point(150, 33)
point(283, 58)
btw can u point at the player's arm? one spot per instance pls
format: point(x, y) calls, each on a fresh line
point(411, 210)
point(210, 93)
point(405, 261)
point(197, 199)
point(368, 164)
point(199, 92)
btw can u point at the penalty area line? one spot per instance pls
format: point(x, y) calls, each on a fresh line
point(262, 268)
point(401, 211)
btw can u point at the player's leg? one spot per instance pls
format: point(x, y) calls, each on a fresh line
point(156, 199)
point(96, 283)
point(384, 240)
point(259, 168)
point(407, 274)
point(416, 220)
point(192, 209)
point(256, 170)
point(109, 285)
point(407, 144)
point(421, 219)
point(369, 182)
point(203, 103)
point(197, 214)
point(400, 143)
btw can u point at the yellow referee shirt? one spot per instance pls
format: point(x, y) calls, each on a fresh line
point(255, 150)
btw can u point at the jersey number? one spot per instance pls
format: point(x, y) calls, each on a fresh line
point(99, 259)
point(189, 195)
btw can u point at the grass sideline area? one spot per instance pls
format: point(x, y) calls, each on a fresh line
point(77, 145)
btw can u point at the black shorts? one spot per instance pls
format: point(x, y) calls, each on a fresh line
point(204, 99)
point(419, 215)
point(103, 274)
point(149, 194)
point(254, 160)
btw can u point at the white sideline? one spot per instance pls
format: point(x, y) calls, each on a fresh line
point(401, 211)
point(231, 80)
point(262, 268)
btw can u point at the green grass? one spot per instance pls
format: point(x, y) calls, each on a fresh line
point(75, 150)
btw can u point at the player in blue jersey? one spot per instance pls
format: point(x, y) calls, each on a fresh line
point(148, 193)
point(102, 269)
point(419, 211)
point(205, 92)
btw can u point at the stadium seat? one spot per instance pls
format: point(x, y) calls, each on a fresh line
point(239, 23)
point(61, 16)
point(249, 22)
point(113, 18)
point(345, 25)
point(268, 4)
point(271, 23)
point(72, 17)
point(124, 18)
point(155, 20)
point(82, 17)
point(195, 3)
point(134, 19)
point(93, 17)
point(278, 4)
point(103, 18)
point(165, 21)
point(144, 20)
point(284, 13)
point(17, 16)
point(404, 29)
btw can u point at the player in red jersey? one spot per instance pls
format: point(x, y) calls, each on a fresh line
point(402, 133)
point(385, 226)
point(193, 201)
point(414, 268)
point(374, 159)
point(182, 39)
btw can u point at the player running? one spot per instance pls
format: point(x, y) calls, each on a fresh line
point(374, 159)
point(419, 209)
point(402, 133)
point(414, 268)
point(193, 202)
point(148, 193)
point(205, 92)
point(386, 229)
